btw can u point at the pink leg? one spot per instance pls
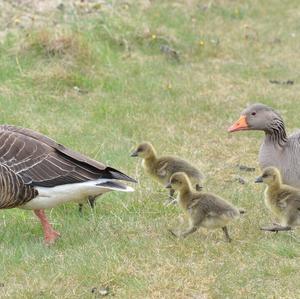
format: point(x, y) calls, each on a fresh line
point(50, 235)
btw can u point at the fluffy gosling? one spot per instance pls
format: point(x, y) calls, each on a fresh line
point(162, 168)
point(282, 200)
point(203, 209)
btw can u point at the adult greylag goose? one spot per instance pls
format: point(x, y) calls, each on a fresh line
point(202, 208)
point(161, 168)
point(282, 200)
point(277, 149)
point(38, 173)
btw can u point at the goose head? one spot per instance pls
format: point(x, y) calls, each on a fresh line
point(257, 117)
point(179, 181)
point(144, 150)
point(270, 176)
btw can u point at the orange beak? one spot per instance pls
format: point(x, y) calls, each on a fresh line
point(239, 125)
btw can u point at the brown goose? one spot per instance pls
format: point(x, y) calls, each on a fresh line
point(161, 168)
point(202, 208)
point(277, 149)
point(37, 173)
point(282, 200)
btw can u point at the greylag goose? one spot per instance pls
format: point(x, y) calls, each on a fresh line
point(37, 173)
point(161, 168)
point(282, 200)
point(277, 149)
point(203, 209)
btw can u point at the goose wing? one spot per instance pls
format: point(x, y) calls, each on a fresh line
point(40, 161)
point(13, 191)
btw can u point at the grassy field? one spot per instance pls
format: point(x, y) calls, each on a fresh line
point(98, 82)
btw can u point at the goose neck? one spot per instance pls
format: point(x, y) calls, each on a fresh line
point(275, 132)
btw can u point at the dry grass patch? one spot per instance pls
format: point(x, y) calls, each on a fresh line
point(59, 43)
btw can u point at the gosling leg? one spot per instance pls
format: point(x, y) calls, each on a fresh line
point(80, 209)
point(188, 231)
point(225, 230)
point(92, 201)
point(184, 233)
point(276, 228)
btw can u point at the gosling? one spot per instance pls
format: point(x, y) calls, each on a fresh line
point(202, 209)
point(282, 200)
point(162, 168)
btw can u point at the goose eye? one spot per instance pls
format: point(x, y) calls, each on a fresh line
point(253, 113)
point(264, 175)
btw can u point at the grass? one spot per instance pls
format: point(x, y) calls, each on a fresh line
point(99, 84)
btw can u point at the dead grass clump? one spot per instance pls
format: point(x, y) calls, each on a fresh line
point(59, 44)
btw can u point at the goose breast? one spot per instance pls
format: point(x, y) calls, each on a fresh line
point(286, 159)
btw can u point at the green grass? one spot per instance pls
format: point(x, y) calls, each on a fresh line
point(229, 50)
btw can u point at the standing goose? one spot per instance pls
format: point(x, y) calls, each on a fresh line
point(277, 149)
point(37, 173)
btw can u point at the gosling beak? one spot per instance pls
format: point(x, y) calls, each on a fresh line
point(259, 179)
point(134, 154)
point(239, 125)
point(168, 186)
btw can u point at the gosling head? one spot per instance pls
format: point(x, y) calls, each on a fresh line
point(178, 181)
point(269, 176)
point(144, 150)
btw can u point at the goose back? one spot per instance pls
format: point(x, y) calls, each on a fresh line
point(13, 191)
point(40, 161)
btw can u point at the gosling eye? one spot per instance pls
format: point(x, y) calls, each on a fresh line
point(253, 113)
point(264, 175)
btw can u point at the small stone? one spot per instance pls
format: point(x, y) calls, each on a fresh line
point(289, 82)
point(172, 53)
point(61, 6)
point(246, 168)
point(104, 291)
point(79, 90)
point(241, 180)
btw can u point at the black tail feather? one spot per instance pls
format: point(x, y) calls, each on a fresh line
point(118, 175)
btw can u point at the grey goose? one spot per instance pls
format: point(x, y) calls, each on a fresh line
point(161, 168)
point(202, 208)
point(282, 200)
point(277, 149)
point(37, 173)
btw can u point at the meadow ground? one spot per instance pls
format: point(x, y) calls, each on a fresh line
point(93, 77)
